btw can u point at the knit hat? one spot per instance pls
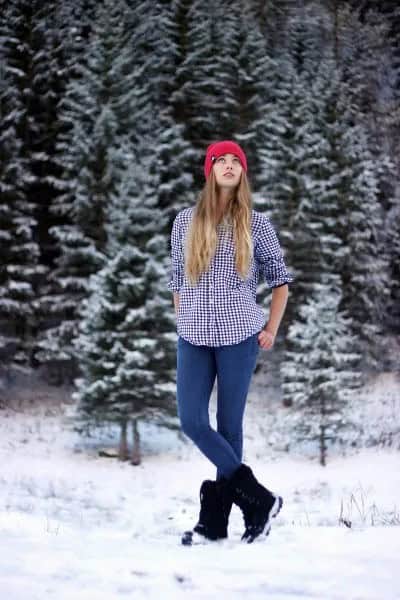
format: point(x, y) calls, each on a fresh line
point(217, 149)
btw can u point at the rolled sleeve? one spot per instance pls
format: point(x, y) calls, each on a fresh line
point(269, 256)
point(177, 262)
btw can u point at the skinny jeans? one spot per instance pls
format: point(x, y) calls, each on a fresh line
point(197, 368)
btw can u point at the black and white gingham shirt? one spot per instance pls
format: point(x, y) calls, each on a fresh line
point(222, 309)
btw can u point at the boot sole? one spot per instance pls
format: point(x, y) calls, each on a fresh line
point(192, 538)
point(276, 507)
point(272, 514)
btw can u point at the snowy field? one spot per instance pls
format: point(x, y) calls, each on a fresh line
point(75, 526)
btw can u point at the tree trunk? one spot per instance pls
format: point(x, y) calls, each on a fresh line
point(123, 442)
point(136, 458)
point(322, 446)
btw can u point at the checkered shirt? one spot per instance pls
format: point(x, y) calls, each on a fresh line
point(222, 308)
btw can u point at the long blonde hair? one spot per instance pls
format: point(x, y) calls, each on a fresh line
point(201, 239)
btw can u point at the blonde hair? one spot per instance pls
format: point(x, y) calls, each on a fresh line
point(201, 239)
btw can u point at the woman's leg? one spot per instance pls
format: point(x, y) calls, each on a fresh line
point(235, 366)
point(195, 376)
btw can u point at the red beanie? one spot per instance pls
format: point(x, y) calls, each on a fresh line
point(217, 149)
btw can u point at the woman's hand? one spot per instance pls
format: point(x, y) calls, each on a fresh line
point(266, 339)
point(267, 335)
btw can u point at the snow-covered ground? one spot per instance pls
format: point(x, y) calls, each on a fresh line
point(76, 526)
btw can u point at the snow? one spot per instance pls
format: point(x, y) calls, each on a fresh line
point(74, 525)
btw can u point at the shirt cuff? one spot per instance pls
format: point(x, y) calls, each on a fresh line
point(281, 284)
point(173, 286)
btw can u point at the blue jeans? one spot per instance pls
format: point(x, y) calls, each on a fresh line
point(197, 367)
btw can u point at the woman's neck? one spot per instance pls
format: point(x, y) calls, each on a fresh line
point(224, 199)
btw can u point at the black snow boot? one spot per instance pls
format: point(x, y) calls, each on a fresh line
point(257, 504)
point(215, 508)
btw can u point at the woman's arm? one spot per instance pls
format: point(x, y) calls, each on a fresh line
point(176, 302)
point(267, 336)
point(177, 266)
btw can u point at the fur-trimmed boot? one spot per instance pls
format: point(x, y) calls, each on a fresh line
point(215, 508)
point(258, 505)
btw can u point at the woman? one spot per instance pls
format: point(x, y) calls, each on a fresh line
point(218, 249)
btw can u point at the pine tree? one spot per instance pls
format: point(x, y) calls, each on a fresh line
point(206, 97)
point(17, 248)
point(95, 109)
point(126, 349)
point(144, 27)
point(368, 65)
point(170, 165)
point(385, 126)
point(170, 170)
point(392, 229)
point(32, 83)
point(318, 370)
point(272, 18)
point(75, 20)
point(254, 89)
point(323, 179)
point(289, 147)
point(365, 272)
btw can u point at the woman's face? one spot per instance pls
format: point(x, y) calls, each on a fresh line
point(227, 169)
